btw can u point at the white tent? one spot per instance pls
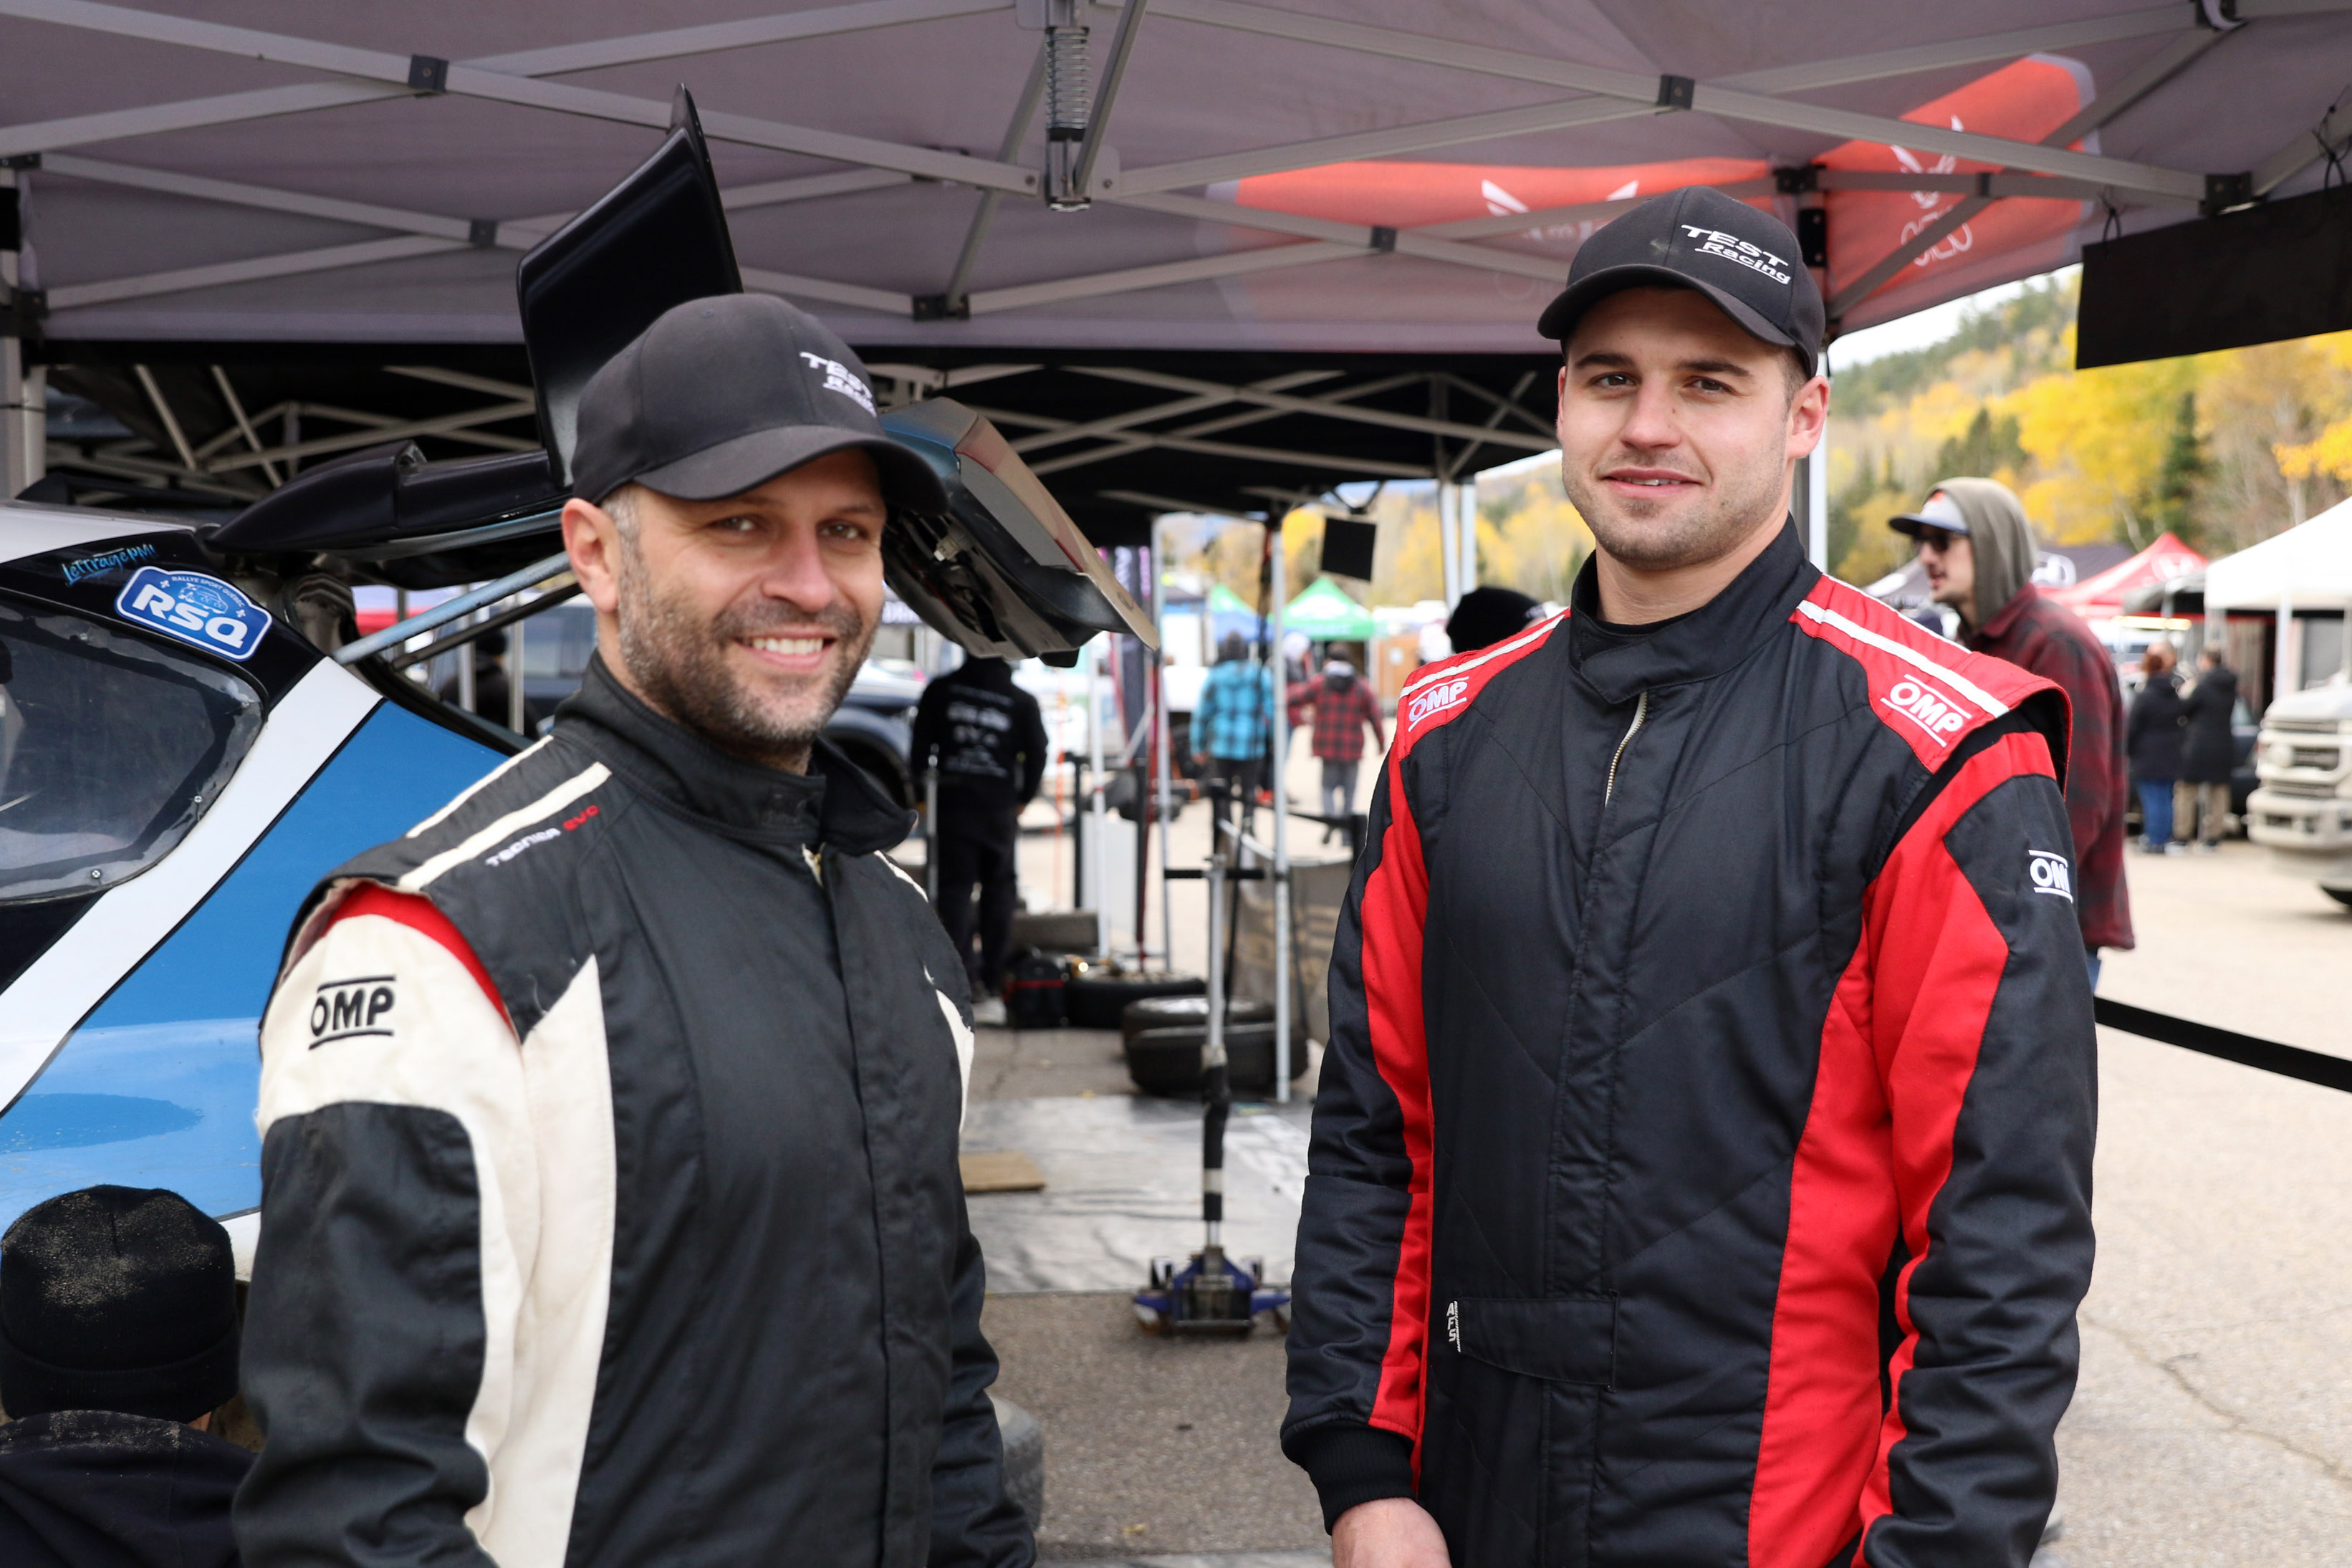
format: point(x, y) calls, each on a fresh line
point(2307, 564)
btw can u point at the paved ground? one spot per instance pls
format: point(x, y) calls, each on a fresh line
point(1151, 1445)
point(2213, 1425)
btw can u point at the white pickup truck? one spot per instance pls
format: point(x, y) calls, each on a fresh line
point(2303, 812)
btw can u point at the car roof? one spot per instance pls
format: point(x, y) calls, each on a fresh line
point(27, 528)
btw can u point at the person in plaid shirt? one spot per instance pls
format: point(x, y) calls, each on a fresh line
point(1980, 554)
point(1343, 705)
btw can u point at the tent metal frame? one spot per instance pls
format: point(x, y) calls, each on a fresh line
point(522, 78)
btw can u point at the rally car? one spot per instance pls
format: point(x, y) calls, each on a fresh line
point(192, 730)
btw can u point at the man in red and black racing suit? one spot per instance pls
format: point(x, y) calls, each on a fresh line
point(1701, 1169)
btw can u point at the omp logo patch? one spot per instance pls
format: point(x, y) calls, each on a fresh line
point(1939, 716)
point(1738, 251)
point(2051, 872)
point(839, 377)
point(200, 611)
point(1437, 699)
point(346, 1010)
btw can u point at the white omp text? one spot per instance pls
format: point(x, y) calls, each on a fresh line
point(1437, 699)
point(2050, 873)
point(1939, 716)
point(1732, 248)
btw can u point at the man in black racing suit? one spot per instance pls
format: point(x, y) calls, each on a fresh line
point(1701, 1169)
point(610, 1207)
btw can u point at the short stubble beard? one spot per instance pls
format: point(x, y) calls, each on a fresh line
point(1626, 531)
point(679, 662)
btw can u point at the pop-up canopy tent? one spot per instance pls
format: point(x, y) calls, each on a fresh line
point(1195, 253)
point(1326, 615)
point(2307, 564)
point(2102, 595)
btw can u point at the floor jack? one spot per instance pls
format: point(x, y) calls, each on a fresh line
point(1212, 1293)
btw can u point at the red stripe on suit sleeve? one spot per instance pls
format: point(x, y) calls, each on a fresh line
point(418, 914)
point(1395, 905)
point(1897, 1052)
point(1936, 968)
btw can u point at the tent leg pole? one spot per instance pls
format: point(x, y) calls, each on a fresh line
point(1281, 718)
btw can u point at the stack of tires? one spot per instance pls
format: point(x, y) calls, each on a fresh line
point(1099, 998)
point(1162, 1037)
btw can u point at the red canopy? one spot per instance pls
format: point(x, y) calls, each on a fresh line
point(2095, 598)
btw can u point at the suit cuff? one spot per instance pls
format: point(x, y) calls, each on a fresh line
point(1351, 1463)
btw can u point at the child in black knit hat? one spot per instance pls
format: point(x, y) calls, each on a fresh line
point(118, 1340)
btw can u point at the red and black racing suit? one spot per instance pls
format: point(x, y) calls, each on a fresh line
point(1701, 1172)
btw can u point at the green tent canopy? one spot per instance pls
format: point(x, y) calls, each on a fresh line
point(1326, 614)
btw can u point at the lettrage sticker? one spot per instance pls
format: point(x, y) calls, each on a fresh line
point(198, 610)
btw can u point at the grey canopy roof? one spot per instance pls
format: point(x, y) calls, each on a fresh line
point(1291, 185)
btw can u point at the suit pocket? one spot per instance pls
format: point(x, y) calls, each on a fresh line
point(1560, 1339)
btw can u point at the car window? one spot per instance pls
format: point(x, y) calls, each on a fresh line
point(110, 749)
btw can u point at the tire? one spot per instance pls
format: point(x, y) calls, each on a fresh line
point(1096, 1001)
point(1163, 1037)
point(1024, 1458)
point(2342, 895)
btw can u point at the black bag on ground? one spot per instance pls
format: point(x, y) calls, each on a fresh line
point(1032, 990)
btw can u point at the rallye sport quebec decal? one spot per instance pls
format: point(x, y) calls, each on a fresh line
point(200, 611)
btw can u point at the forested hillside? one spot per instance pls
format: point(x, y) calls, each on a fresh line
point(2224, 449)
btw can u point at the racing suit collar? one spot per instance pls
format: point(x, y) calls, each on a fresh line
point(834, 802)
point(1618, 663)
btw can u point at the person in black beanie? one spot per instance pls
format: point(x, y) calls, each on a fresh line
point(118, 1340)
point(1485, 616)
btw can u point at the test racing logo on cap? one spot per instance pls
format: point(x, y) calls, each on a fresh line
point(838, 378)
point(1743, 253)
point(1437, 699)
point(1940, 716)
point(200, 611)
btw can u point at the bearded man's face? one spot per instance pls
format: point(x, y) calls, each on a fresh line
point(746, 619)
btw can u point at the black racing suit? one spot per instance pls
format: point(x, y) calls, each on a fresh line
point(1701, 1170)
point(610, 1207)
point(990, 739)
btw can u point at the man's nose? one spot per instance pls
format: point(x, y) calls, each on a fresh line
point(1650, 421)
point(796, 574)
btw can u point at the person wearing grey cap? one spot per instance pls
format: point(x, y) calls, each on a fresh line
point(610, 1207)
point(1979, 553)
point(1701, 1165)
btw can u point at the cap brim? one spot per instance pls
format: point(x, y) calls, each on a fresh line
point(1913, 523)
point(1568, 306)
point(748, 461)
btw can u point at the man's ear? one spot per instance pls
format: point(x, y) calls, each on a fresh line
point(1808, 416)
point(592, 539)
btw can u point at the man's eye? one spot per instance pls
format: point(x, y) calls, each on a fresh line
point(1612, 378)
point(735, 525)
point(1704, 384)
point(854, 532)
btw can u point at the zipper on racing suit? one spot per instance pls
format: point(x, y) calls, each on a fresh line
point(1640, 711)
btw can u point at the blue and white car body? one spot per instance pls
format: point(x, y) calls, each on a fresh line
point(131, 997)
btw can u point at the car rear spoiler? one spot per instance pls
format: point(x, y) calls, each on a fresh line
point(1002, 571)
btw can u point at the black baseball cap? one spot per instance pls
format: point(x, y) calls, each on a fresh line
point(721, 395)
point(1745, 260)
